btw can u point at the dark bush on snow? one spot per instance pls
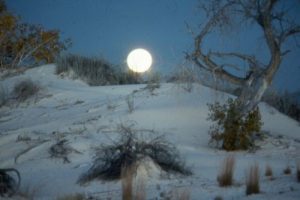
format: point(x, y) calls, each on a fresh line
point(9, 184)
point(25, 89)
point(231, 131)
point(128, 150)
point(94, 71)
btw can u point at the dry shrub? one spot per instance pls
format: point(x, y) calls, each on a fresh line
point(184, 78)
point(218, 198)
point(10, 180)
point(61, 149)
point(132, 147)
point(268, 171)
point(225, 177)
point(252, 180)
point(287, 170)
point(25, 89)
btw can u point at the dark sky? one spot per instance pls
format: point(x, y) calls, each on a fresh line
point(111, 28)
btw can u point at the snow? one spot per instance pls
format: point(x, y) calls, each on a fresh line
point(87, 117)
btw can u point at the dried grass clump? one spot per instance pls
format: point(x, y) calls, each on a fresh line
point(268, 171)
point(225, 177)
point(252, 180)
point(25, 89)
point(94, 71)
point(129, 149)
point(218, 198)
point(287, 170)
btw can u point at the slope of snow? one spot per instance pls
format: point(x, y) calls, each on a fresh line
point(87, 117)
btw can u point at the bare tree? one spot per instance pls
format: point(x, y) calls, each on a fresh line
point(276, 25)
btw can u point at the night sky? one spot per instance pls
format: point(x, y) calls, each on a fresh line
point(111, 28)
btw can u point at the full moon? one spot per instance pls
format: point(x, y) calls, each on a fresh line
point(139, 60)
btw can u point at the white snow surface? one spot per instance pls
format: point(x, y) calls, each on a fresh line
point(87, 117)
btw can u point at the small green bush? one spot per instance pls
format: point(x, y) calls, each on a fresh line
point(231, 130)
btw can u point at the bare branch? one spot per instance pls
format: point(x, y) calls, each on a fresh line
point(230, 65)
point(289, 32)
point(251, 60)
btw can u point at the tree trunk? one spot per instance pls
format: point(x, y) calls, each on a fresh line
point(252, 92)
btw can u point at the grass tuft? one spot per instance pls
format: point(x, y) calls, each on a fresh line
point(268, 171)
point(287, 170)
point(252, 180)
point(225, 177)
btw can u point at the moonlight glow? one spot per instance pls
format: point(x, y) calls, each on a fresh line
point(139, 60)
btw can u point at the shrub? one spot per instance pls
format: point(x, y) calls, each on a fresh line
point(184, 78)
point(128, 77)
point(269, 171)
point(9, 184)
point(225, 177)
point(94, 71)
point(232, 131)
point(25, 89)
point(252, 180)
point(153, 82)
point(218, 198)
point(128, 150)
point(287, 170)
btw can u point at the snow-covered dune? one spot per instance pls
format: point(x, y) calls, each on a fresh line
point(87, 116)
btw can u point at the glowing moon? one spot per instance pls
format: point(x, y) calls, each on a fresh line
point(139, 60)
